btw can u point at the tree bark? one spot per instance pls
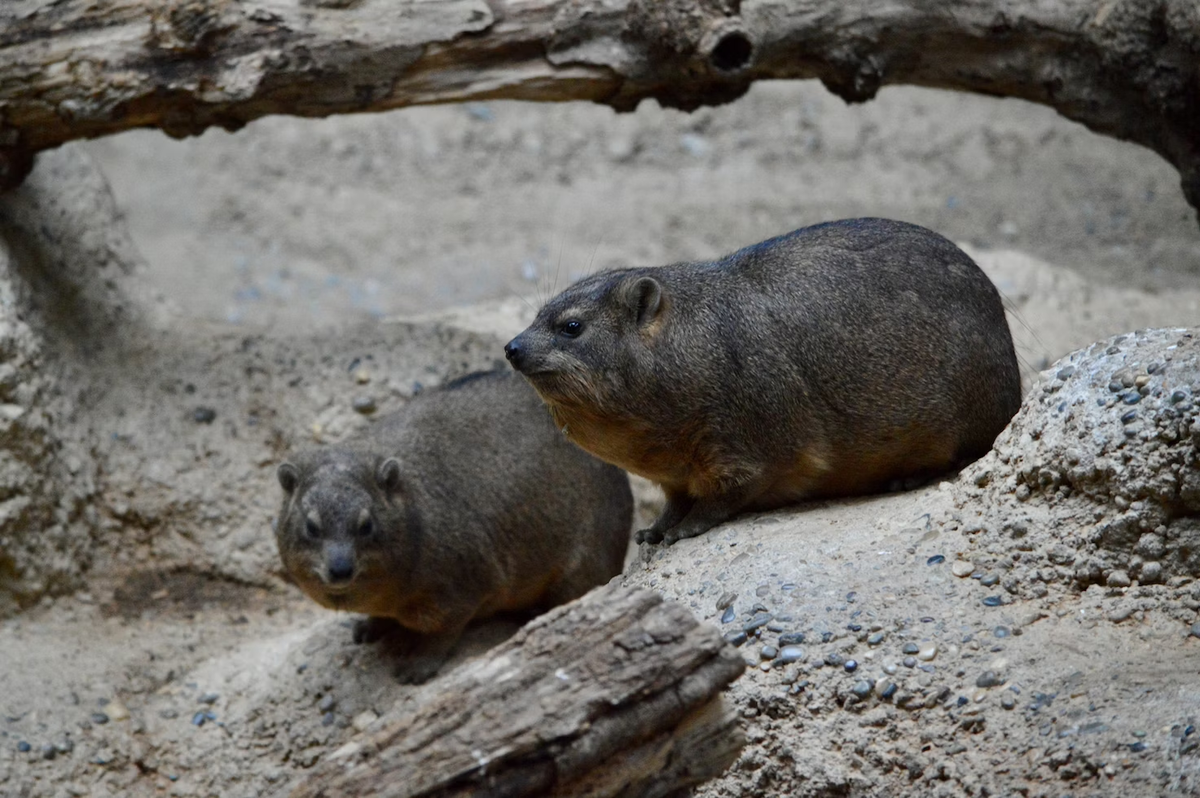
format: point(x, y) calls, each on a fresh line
point(616, 694)
point(80, 68)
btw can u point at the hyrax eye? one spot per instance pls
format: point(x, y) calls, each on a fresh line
point(571, 328)
point(366, 528)
point(311, 529)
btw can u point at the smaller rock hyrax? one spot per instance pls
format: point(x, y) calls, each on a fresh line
point(837, 359)
point(465, 503)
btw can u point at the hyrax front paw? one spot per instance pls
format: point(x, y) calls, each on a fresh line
point(371, 629)
point(650, 535)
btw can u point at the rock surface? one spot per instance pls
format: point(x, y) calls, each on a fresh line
point(156, 650)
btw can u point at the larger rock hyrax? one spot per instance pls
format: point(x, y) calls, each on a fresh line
point(465, 503)
point(837, 359)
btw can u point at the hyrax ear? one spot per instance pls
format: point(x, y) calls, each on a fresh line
point(645, 296)
point(388, 475)
point(289, 476)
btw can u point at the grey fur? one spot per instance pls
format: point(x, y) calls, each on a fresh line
point(475, 505)
point(837, 359)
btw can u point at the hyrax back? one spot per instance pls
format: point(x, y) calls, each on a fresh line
point(835, 360)
point(465, 503)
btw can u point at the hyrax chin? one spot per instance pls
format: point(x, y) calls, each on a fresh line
point(837, 359)
point(466, 503)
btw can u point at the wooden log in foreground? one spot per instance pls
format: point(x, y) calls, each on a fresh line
point(616, 694)
point(74, 69)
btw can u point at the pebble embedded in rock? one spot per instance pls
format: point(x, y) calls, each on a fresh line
point(726, 600)
point(993, 601)
point(863, 689)
point(791, 639)
point(204, 415)
point(1008, 701)
point(327, 719)
point(789, 654)
point(850, 665)
point(209, 698)
point(775, 626)
point(759, 619)
point(875, 639)
point(889, 691)
point(99, 718)
point(834, 659)
point(909, 662)
point(1195, 630)
point(736, 638)
point(910, 648)
point(927, 652)
point(49, 751)
point(769, 652)
point(1118, 578)
point(728, 615)
point(364, 719)
point(936, 559)
point(327, 703)
point(24, 747)
point(989, 580)
point(962, 568)
point(1129, 417)
point(363, 404)
point(989, 679)
point(199, 718)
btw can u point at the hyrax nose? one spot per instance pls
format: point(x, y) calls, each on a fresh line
point(341, 568)
point(515, 353)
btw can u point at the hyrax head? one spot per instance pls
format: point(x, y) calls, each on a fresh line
point(337, 528)
point(582, 341)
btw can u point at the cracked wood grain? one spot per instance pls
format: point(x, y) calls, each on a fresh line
point(74, 69)
point(616, 694)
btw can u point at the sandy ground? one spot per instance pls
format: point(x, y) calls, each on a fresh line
point(184, 665)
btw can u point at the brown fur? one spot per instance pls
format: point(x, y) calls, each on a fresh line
point(475, 505)
point(838, 359)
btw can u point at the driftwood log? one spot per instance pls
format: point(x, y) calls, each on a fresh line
point(73, 69)
point(616, 694)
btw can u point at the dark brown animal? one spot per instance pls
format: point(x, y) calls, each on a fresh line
point(838, 359)
point(466, 503)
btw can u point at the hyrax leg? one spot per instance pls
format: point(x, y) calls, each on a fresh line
point(709, 511)
point(419, 655)
point(677, 506)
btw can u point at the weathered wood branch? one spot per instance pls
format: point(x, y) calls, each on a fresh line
point(79, 68)
point(616, 694)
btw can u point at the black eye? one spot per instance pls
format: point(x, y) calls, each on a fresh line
point(366, 528)
point(571, 328)
point(311, 528)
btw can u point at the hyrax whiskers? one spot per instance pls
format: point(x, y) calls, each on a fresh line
point(465, 503)
point(834, 360)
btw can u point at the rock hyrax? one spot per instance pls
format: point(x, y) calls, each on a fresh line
point(465, 503)
point(837, 359)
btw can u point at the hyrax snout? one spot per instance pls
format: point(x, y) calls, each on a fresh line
point(466, 503)
point(837, 359)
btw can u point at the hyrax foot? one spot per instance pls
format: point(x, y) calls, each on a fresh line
point(648, 535)
point(371, 629)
